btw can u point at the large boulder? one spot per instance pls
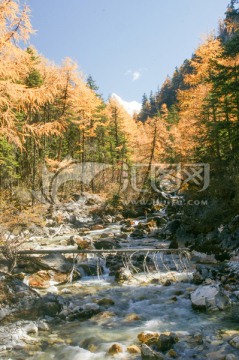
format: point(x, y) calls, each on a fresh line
point(84, 312)
point(44, 278)
point(56, 262)
point(14, 296)
point(19, 301)
point(49, 305)
point(209, 297)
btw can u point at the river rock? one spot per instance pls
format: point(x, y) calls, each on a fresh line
point(106, 235)
point(202, 258)
point(208, 297)
point(83, 230)
point(148, 354)
point(105, 302)
point(133, 349)
point(41, 279)
point(56, 262)
point(89, 343)
point(146, 336)
point(15, 336)
point(49, 305)
point(166, 341)
point(108, 219)
point(97, 227)
point(132, 317)
point(15, 296)
point(126, 229)
point(106, 244)
point(127, 222)
point(235, 342)
point(230, 357)
point(89, 269)
point(138, 233)
point(118, 218)
point(82, 313)
point(160, 221)
point(115, 349)
point(123, 274)
point(103, 316)
point(43, 326)
point(31, 328)
point(204, 272)
point(44, 278)
point(172, 354)
point(82, 243)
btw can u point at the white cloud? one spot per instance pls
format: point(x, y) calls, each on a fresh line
point(135, 75)
point(131, 107)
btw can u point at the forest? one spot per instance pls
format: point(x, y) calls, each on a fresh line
point(52, 115)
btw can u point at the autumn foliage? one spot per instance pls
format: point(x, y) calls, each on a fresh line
point(49, 113)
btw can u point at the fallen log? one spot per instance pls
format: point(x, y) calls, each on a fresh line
point(94, 251)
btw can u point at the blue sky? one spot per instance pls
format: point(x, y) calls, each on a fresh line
point(128, 46)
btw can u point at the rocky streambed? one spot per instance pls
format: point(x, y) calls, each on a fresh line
point(138, 306)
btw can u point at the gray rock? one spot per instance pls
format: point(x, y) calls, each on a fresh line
point(106, 244)
point(55, 262)
point(165, 342)
point(222, 301)
point(31, 328)
point(230, 357)
point(123, 274)
point(235, 342)
point(237, 294)
point(148, 354)
point(15, 336)
point(108, 219)
point(18, 297)
point(209, 297)
point(4, 313)
point(49, 305)
point(81, 313)
point(43, 326)
point(89, 269)
point(202, 258)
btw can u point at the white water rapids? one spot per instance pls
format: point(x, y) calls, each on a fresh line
point(154, 307)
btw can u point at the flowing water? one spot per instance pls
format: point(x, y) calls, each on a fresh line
point(143, 305)
point(158, 308)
